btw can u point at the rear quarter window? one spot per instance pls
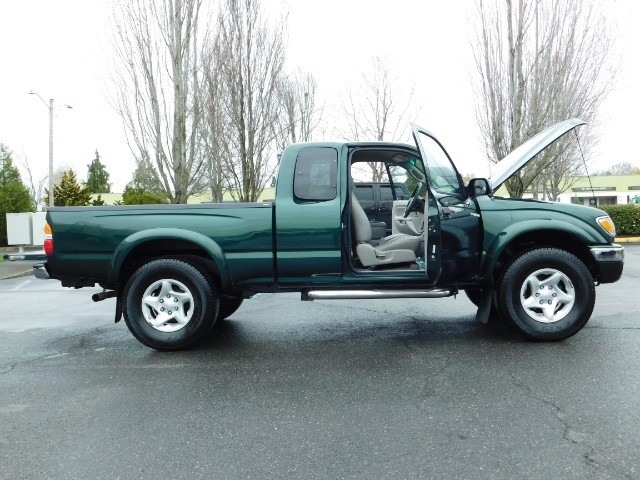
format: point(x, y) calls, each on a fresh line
point(316, 174)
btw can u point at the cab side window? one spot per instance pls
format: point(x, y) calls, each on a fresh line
point(316, 174)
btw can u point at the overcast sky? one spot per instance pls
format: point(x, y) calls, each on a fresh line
point(58, 48)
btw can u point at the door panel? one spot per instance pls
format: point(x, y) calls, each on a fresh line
point(412, 225)
point(308, 242)
point(460, 233)
point(385, 204)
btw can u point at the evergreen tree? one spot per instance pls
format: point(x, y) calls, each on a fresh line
point(135, 194)
point(98, 201)
point(69, 193)
point(146, 176)
point(145, 187)
point(14, 195)
point(98, 177)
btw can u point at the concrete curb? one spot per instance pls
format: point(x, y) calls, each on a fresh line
point(18, 268)
point(627, 240)
point(19, 264)
point(18, 274)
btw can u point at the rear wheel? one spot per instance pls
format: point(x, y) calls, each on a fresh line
point(546, 294)
point(169, 304)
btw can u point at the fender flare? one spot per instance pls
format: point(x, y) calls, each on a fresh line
point(134, 240)
point(511, 233)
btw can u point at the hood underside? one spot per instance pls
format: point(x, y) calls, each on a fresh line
point(522, 155)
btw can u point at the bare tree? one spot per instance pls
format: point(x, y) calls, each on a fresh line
point(289, 116)
point(35, 187)
point(621, 168)
point(156, 82)
point(379, 108)
point(300, 116)
point(564, 169)
point(213, 134)
point(540, 62)
point(248, 54)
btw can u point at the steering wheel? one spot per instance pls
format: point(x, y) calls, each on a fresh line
point(412, 201)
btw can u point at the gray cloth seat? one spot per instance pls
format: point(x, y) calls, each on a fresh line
point(397, 248)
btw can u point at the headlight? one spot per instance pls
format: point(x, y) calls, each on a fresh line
point(606, 223)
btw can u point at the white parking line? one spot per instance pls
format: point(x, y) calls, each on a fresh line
point(18, 287)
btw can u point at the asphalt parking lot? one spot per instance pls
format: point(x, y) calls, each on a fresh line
point(333, 389)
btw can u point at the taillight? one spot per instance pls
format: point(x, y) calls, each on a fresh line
point(48, 239)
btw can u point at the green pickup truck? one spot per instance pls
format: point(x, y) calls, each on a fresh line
point(177, 269)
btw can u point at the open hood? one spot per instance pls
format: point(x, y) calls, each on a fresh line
point(522, 155)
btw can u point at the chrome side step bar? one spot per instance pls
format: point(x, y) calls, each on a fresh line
point(373, 294)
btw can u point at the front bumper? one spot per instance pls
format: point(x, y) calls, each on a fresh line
point(610, 262)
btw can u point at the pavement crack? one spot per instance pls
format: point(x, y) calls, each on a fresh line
point(575, 436)
point(4, 370)
point(78, 341)
point(569, 434)
point(429, 390)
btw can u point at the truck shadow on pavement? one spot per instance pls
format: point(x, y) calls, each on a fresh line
point(239, 332)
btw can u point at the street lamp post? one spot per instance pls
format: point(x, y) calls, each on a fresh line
point(50, 107)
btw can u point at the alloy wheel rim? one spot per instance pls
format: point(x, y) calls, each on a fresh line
point(167, 305)
point(547, 295)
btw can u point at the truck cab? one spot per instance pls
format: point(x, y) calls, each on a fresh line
point(448, 236)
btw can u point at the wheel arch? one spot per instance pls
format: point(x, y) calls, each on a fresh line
point(522, 237)
point(141, 247)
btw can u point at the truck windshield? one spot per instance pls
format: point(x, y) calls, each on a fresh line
point(410, 173)
point(441, 174)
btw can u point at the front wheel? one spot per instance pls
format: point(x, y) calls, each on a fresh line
point(169, 304)
point(546, 294)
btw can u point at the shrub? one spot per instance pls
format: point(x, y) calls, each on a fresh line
point(625, 217)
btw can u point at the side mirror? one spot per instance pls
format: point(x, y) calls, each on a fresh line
point(478, 187)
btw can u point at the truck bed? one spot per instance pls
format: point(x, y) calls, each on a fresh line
point(91, 239)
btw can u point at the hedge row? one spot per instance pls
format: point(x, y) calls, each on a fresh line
point(625, 217)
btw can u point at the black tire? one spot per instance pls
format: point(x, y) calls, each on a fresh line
point(228, 306)
point(546, 294)
point(192, 297)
